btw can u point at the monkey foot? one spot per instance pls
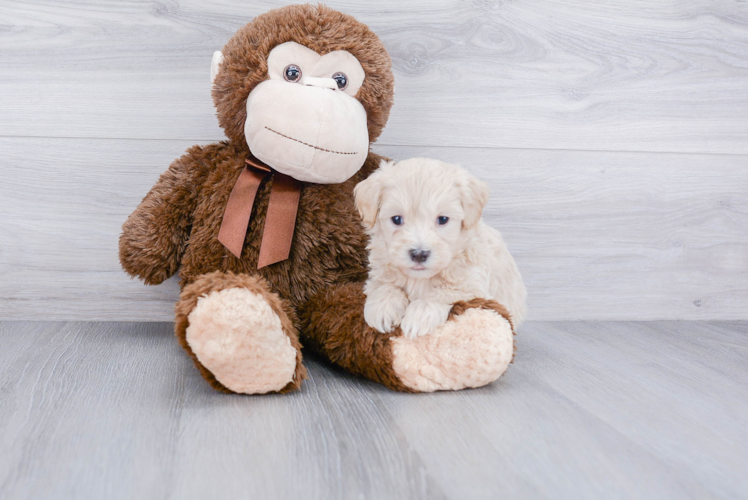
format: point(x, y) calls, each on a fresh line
point(237, 336)
point(471, 350)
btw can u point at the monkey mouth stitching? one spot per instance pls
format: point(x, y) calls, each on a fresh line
point(310, 145)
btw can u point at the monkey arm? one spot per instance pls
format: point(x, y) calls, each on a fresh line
point(155, 235)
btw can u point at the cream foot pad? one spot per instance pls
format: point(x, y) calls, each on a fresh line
point(237, 336)
point(471, 351)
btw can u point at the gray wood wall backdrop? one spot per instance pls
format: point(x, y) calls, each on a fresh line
point(614, 136)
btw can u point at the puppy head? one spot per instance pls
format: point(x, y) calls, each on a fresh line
point(418, 210)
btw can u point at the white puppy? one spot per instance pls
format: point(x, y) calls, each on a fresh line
point(429, 248)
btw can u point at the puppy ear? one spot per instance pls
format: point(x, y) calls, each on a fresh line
point(474, 196)
point(368, 195)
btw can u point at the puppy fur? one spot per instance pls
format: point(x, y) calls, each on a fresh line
point(429, 247)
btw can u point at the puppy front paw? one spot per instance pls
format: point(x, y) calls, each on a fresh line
point(384, 309)
point(423, 317)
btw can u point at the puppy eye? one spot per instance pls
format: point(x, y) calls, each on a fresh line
point(292, 73)
point(341, 80)
point(397, 220)
point(442, 220)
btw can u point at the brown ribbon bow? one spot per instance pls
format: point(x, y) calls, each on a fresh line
point(279, 221)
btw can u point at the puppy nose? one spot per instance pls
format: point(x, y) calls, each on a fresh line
point(419, 255)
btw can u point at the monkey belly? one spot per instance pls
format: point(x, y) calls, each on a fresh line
point(329, 244)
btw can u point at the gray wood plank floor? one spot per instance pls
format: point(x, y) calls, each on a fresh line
point(588, 410)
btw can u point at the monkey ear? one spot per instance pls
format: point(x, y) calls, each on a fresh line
point(368, 195)
point(214, 65)
point(474, 196)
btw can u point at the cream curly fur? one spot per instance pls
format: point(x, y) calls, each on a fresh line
point(429, 248)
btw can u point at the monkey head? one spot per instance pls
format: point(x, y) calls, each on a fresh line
point(307, 89)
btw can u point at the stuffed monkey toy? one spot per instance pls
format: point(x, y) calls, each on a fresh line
point(263, 230)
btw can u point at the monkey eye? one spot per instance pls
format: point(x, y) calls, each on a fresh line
point(292, 73)
point(442, 219)
point(397, 220)
point(341, 80)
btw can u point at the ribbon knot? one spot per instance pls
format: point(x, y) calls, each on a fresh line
point(279, 221)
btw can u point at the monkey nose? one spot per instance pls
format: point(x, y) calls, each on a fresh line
point(419, 256)
point(326, 83)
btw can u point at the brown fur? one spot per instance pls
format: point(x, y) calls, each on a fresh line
point(333, 321)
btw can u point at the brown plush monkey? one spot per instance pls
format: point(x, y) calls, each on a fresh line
point(301, 92)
